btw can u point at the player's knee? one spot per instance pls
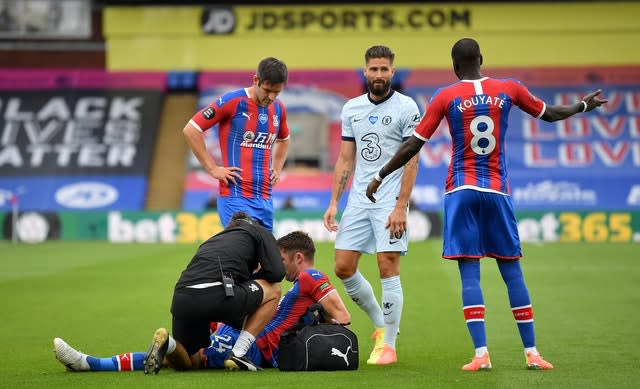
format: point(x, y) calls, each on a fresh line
point(343, 271)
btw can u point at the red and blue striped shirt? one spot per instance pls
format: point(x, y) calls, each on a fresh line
point(246, 132)
point(477, 112)
point(309, 288)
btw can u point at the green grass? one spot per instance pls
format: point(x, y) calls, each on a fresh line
point(108, 298)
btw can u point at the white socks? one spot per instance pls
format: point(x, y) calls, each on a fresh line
point(245, 340)
point(392, 301)
point(360, 291)
point(171, 347)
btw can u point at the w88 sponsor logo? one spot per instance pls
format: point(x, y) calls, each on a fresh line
point(258, 140)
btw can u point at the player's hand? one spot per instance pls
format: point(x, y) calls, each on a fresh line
point(275, 177)
point(397, 222)
point(593, 101)
point(329, 219)
point(226, 174)
point(372, 188)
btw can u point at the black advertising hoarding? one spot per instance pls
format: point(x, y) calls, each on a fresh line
point(78, 132)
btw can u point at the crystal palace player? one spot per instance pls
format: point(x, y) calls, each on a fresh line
point(479, 217)
point(310, 286)
point(254, 141)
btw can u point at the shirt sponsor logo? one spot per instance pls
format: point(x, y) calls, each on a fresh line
point(259, 140)
point(248, 136)
point(86, 195)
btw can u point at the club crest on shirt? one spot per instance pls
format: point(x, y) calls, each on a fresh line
point(373, 119)
point(209, 113)
point(386, 120)
point(262, 118)
point(276, 121)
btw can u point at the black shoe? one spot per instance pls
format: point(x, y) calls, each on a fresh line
point(239, 363)
point(154, 356)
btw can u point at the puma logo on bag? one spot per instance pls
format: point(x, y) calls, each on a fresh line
point(335, 351)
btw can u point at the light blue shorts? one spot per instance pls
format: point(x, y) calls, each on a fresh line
point(363, 229)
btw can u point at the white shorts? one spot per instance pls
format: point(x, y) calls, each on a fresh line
point(363, 229)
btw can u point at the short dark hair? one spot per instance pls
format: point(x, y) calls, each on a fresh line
point(466, 50)
point(379, 52)
point(273, 71)
point(298, 241)
point(240, 217)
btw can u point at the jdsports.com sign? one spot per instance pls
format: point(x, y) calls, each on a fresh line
point(353, 18)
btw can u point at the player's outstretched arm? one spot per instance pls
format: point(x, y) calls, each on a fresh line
point(560, 112)
point(407, 150)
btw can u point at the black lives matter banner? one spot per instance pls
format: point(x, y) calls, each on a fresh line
point(78, 132)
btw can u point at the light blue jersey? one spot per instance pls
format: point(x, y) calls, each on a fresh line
point(378, 128)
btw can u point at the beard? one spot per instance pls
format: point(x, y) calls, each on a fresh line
point(378, 89)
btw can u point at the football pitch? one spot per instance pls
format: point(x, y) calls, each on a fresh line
point(106, 299)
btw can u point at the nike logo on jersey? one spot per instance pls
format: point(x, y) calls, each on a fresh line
point(393, 241)
point(356, 119)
